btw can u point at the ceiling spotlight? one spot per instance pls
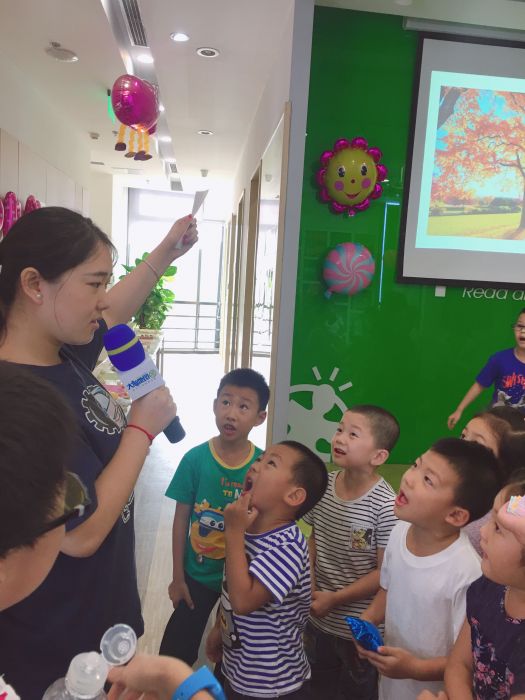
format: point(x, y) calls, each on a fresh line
point(207, 52)
point(145, 58)
point(204, 172)
point(56, 51)
point(179, 36)
point(205, 132)
point(165, 139)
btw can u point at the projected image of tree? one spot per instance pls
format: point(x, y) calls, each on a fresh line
point(478, 181)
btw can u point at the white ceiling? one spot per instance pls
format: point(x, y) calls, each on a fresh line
point(219, 94)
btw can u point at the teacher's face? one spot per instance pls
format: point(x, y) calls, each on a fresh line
point(73, 304)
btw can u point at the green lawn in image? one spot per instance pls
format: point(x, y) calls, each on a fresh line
point(476, 225)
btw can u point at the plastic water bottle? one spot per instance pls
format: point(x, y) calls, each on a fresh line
point(87, 672)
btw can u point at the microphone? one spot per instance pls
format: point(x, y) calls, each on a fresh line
point(137, 370)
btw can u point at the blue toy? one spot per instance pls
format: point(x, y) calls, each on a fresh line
point(365, 633)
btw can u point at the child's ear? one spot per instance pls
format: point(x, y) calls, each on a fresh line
point(380, 457)
point(458, 517)
point(261, 417)
point(295, 497)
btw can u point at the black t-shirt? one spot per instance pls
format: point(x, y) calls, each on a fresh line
point(81, 597)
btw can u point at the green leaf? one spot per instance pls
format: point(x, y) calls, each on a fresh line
point(170, 271)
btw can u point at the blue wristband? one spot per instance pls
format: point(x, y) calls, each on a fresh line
point(203, 679)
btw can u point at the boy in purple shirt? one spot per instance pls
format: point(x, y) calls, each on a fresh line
point(506, 371)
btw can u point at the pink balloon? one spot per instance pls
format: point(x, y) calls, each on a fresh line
point(152, 130)
point(32, 203)
point(135, 102)
point(359, 142)
point(10, 202)
point(375, 153)
point(1, 215)
point(18, 209)
point(340, 144)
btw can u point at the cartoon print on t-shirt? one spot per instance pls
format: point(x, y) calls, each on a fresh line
point(361, 537)
point(230, 635)
point(102, 411)
point(207, 532)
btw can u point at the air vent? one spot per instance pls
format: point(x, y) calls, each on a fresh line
point(173, 166)
point(176, 186)
point(136, 30)
point(96, 162)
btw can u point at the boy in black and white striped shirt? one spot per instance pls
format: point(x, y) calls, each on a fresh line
point(351, 526)
point(267, 589)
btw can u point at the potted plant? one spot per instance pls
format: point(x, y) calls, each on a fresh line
point(156, 306)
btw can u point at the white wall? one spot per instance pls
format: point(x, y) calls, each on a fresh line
point(30, 118)
point(101, 200)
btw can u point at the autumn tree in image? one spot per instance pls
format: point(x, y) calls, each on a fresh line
point(481, 135)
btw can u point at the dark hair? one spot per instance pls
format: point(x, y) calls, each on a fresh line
point(513, 416)
point(310, 473)
point(246, 377)
point(53, 240)
point(512, 452)
point(478, 471)
point(497, 425)
point(383, 425)
point(36, 432)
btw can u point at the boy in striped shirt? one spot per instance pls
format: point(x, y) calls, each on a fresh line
point(350, 529)
point(266, 592)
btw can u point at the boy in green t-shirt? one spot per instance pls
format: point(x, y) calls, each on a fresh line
point(209, 477)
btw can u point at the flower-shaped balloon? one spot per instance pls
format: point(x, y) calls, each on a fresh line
point(350, 175)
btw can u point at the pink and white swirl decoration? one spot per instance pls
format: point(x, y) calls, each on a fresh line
point(348, 269)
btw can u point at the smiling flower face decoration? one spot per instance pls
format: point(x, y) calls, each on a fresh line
point(350, 175)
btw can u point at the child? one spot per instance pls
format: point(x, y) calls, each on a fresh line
point(351, 526)
point(487, 661)
point(505, 370)
point(208, 478)
point(429, 564)
point(490, 430)
point(267, 588)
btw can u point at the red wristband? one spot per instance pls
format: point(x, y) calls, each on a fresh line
point(142, 430)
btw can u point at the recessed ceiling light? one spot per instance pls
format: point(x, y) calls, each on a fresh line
point(207, 52)
point(179, 36)
point(161, 108)
point(145, 58)
point(165, 139)
point(205, 132)
point(56, 51)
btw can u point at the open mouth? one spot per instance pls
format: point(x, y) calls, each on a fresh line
point(401, 499)
point(248, 484)
point(338, 452)
point(229, 428)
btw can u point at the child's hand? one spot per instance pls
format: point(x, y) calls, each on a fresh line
point(322, 603)
point(214, 645)
point(427, 695)
point(240, 514)
point(177, 591)
point(453, 419)
point(392, 662)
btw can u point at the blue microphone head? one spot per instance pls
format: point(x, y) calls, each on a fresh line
point(124, 349)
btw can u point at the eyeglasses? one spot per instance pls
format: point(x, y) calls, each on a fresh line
point(518, 327)
point(76, 500)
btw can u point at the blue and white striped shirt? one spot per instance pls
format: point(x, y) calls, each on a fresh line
point(263, 654)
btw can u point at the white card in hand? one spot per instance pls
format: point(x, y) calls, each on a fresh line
point(198, 200)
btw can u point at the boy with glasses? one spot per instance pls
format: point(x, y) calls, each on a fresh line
point(506, 371)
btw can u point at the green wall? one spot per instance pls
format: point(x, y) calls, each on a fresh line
point(402, 347)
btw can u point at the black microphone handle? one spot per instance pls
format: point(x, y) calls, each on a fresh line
point(174, 431)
